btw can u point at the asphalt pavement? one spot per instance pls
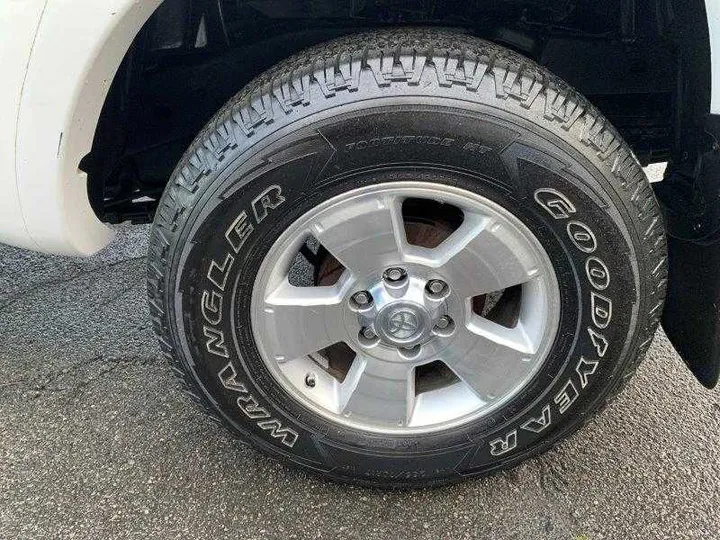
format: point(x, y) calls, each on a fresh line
point(97, 441)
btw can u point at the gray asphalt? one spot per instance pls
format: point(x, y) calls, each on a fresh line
point(96, 441)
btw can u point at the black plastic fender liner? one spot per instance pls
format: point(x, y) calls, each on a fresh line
point(691, 203)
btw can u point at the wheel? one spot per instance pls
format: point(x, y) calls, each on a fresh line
point(404, 258)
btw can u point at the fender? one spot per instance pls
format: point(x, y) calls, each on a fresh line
point(60, 99)
point(20, 20)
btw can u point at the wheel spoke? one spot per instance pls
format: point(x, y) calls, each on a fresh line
point(482, 256)
point(365, 235)
point(490, 358)
point(379, 390)
point(303, 320)
point(514, 339)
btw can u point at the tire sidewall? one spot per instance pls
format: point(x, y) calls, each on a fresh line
point(545, 182)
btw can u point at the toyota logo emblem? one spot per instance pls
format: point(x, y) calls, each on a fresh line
point(403, 324)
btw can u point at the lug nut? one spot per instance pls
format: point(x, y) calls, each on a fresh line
point(367, 337)
point(368, 333)
point(444, 326)
point(393, 275)
point(362, 298)
point(310, 380)
point(443, 322)
point(410, 353)
point(436, 286)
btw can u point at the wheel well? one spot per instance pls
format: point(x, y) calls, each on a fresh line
point(644, 63)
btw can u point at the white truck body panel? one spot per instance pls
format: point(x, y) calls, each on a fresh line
point(59, 58)
point(77, 49)
point(19, 20)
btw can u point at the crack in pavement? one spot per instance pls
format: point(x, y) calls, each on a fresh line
point(43, 382)
point(36, 287)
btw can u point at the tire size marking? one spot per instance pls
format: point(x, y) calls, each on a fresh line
point(212, 301)
point(597, 273)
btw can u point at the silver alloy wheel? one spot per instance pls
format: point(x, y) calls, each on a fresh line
point(401, 307)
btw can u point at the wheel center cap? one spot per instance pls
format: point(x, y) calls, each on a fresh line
point(403, 324)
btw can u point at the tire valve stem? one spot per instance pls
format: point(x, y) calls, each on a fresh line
point(310, 380)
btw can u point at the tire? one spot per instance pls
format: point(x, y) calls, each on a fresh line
point(406, 107)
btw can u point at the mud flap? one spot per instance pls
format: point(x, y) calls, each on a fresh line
point(690, 196)
point(692, 310)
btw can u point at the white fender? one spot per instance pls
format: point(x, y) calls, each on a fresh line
point(77, 50)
